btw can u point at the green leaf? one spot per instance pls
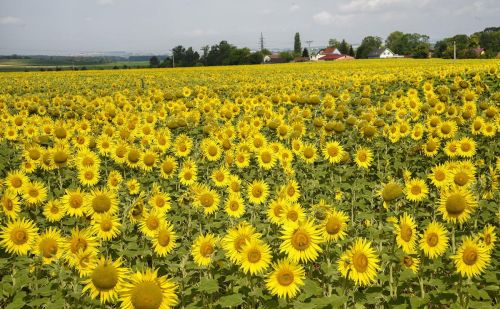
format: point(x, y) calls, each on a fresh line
point(208, 285)
point(231, 300)
point(312, 288)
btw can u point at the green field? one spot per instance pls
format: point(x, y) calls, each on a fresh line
point(12, 65)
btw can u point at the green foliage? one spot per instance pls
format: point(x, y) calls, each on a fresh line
point(368, 44)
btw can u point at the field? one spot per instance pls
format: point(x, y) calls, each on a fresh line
point(16, 65)
point(315, 185)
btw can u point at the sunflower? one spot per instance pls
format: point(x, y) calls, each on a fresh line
point(207, 199)
point(471, 258)
point(151, 222)
point(301, 242)
point(416, 190)
point(211, 150)
point(18, 236)
point(456, 204)
point(447, 129)
point(363, 157)
point(168, 167)
point(133, 186)
point(390, 192)
point(406, 233)
point(79, 241)
point(147, 290)
point(105, 280)
point(292, 213)
point(188, 175)
point(434, 240)
point(291, 191)
point(467, 147)
point(275, 210)
point(257, 192)
point(106, 226)
point(49, 245)
point(114, 180)
point(10, 204)
point(334, 225)
point(164, 240)
point(74, 202)
point(464, 174)
point(255, 256)
point(359, 263)
point(203, 249)
point(285, 279)
point(183, 145)
point(488, 237)
point(309, 153)
point(333, 152)
point(234, 205)
point(242, 159)
point(220, 177)
point(159, 200)
point(440, 176)
point(101, 202)
point(88, 176)
point(236, 237)
point(411, 263)
point(54, 210)
point(34, 193)
point(431, 147)
point(451, 148)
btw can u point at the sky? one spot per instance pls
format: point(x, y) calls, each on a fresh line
point(155, 26)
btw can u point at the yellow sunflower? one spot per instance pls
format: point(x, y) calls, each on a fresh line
point(74, 202)
point(301, 242)
point(206, 199)
point(333, 152)
point(434, 240)
point(416, 190)
point(334, 225)
point(164, 240)
point(101, 202)
point(106, 226)
point(456, 204)
point(106, 279)
point(49, 245)
point(235, 206)
point(18, 236)
point(363, 157)
point(406, 233)
point(275, 210)
point(10, 204)
point(257, 192)
point(359, 263)
point(471, 258)
point(411, 263)
point(203, 249)
point(255, 256)
point(34, 193)
point(286, 279)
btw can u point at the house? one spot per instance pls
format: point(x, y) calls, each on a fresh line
point(301, 59)
point(274, 58)
point(383, 53)
point(329, 51)
point(334, 57)
point(478, 51)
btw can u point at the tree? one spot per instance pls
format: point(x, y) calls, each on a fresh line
point(368, 44)
point(393, 41)
point(343, 47)
point(305, 52)
point(333, 43)
point(351, 51)
point(154, 62)
point(297, 46)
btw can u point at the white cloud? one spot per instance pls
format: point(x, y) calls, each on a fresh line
point(11, 20)
point(294, 7)
point(370, 5)
point(323, 18)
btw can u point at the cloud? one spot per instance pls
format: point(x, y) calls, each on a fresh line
point(105, 2)
point(323, 18)
point(11, 20)
point(294, 7)
point(200, 32)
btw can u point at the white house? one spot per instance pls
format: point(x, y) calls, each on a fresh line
point(329, 51)
point(383, 53)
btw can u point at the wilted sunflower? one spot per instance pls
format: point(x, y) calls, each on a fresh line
point(434, 240)
point(255, 256)
point(406, 233)
point(285, 279)
point(203, 249)
point(18, 236)
point(471, 258)
point(147, 290)
point(456, 204)
point(359, 262)
point(106, 279)
point(301, 242)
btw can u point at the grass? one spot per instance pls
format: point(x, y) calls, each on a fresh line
point(12, 65)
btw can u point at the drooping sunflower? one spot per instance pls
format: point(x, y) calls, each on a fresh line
point(434, 240)
point(363, 157)
point(390, 192)
point(301, 242)
point(147, 290)
point(18, 236)
point(333, 152)
point(101, 201)
point(286, 279)
point(456, 204)
point(258, 191)
point(234, 205)
point(334, 225)
point(203, 249)
point(255, 256)
point(359, 263)
point(49, 245)
point(164, 240)
point(471, 258)
point(406, 233)
point(106, 279)
point(416, 190)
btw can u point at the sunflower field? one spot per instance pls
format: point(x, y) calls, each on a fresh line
point(314, 185)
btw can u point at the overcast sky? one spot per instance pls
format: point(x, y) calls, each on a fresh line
point(85, 26)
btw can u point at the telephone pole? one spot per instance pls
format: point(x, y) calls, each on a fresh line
point(454, 50)
point(309, 47)
point(261, 41)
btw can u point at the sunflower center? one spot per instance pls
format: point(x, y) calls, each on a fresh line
point(455, 204)
point(240, 241)
point(16, 182)
point(234, 205)
point(33, 192)
point(285, 278)
point(257, 192)
point(76, 201)
point(220, 176)
point(78, 244)
point(487, 239)
point(360, 262)
point(182, 147)
point(333, 151)
point(48, 247)
point(362, 157)
point(439, 175)
point(212, 150)
point(60, 132)
point(301, 240)
point(308, 153)
point(101, 203)
point(415, 190)
point(159, 202)
point(406, 232)
point(431, 146)
point(133, 156)
point(34, 154)
point(149, 160)
point(106, 225)
point(7, 204)
point(446, 129)
point(465, 147)
point(277, 210)
point(408, 261)
point(19, 236)
point(461, 178)
point(104, 277)
point(207, 200)
point(163, 238)
point(254, 255)
point(206, 249)
point(60, 157)
point(470, 256)
point(333, 226)
point(152, 223)
point(147, 295)
point(266, 157)
point(167, 167)
point(54, 209)
point(432, 239)
point(89, 175)
point(391, 192)
point(188, 175)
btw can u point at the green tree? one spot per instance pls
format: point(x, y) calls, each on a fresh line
point(393, 41)
point(368, 44)
point(333, 43)
point(154, 62)
point(297, 45)
point(343, 47)
point(305, 52)
point(351, 51)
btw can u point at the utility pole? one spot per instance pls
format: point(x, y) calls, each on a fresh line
point(173, 59)
point(309, 47)
point(261, 41)
point(454, 50)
